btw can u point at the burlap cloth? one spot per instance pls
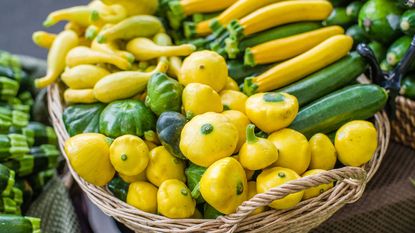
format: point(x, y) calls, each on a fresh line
point(388, 204)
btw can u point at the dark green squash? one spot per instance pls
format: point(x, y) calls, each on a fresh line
point(193, 175)
point(82, 118)
point(126, 117)
point(163, 94)
point(169, 128)
point(119, 188)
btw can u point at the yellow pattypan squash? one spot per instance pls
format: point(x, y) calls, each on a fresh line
point(293, 150)
point(200, 98)
point(164, 166)
point(233, 100)
point(271, 111)
point(257, 153)
point(274, 177)
point(315, 191)
point(89, 155)
point(224, 185)
point(356, 143)
point(207, 138)
point(143, 196)
point(205, 67)
point(323, 153)
point(241, 121)
point(175, 200)
point(129, 155)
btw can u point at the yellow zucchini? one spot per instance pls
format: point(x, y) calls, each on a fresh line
point(174, 62)
point(122, 85)
point(190, 7)
point(284, 12)
point(136, 7)
point(43, 39)
point(82, 96)
point(83, 55)
point(83, 76)
point(77, 14)
point(288, 47)
point(174, 67)
point(102, 14)
point(135, 26)
point(78, 29)
point(239, 10)
point(298, 67)
point(146, 49)
point(112, 48)
point(63, 43)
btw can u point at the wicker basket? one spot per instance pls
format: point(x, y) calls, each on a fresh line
point(403, 127)
point(351, 182)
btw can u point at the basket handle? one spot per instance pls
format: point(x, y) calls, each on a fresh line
point(231, 221)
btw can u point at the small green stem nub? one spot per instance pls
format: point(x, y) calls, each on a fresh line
point(249, 59)
point(250, 87)
point(239, 188)
point(250, 134)
point(94, 16)
point(123, 157)
point(273, 97)
point(206, 129)
point(196, 191)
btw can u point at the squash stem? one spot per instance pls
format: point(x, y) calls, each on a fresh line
point(250, 134)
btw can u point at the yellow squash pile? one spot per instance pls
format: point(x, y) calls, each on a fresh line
point(232, 145)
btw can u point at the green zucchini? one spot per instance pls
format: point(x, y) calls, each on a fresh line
point(16, 195)
point(8, 88)
point(238, 71)
point(357, 102)
point(408, 22)
point(357, 34)
point(6, 180)
point(40, 158)
point(119, 188)
point(42, 134)
point(8, 206)
point(378, 49)
point(28, 133)
point(339, 17)
point(380, 20)
point(328, 79)
point(408, 86)
point(277, 33)
point(10, 117)
point(385, 66)
point(352, 10)
point(19, 224)
point(398, 50)
point(13, 146)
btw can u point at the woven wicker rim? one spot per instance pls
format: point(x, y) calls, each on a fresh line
point(351, 182)
point(404, 124)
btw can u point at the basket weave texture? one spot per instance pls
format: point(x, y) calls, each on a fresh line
point(403, 127)
point(350, 185)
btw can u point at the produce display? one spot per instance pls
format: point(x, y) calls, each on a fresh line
point(28, 151)
point(189, 110)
